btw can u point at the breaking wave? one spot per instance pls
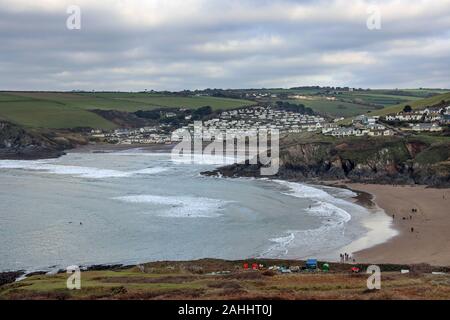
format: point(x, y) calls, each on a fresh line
point(325, 206)
point(78, 171)
point(180, 207)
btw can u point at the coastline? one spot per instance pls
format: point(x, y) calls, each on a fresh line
point(422, 237)
point(430, 225)
point(106, 147)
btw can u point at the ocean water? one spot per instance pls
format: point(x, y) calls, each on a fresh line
point(137, 206)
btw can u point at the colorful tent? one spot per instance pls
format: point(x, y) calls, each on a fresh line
point(311, 264)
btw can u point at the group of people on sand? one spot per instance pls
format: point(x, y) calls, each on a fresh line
point(413, 210)
point(345, 257)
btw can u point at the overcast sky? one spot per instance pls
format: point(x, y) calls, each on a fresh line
point(196, 44)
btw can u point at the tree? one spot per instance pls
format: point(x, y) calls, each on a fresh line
point(201, 112)
point(148, 114)
point(407, 108)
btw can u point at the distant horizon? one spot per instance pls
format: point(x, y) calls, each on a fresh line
point(224, 89)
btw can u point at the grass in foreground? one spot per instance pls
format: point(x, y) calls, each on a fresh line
point(196, 280)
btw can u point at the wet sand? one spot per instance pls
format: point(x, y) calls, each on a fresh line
point(423, 236)
point(105, 148)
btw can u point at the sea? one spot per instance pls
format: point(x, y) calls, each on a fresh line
point(137, 205)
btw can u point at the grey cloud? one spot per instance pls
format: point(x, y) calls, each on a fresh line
point(225, 45)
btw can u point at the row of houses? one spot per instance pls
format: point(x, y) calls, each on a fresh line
point(441, 115)
point(145, 135)
point(424, 127)
point(263, 118)
point(268, 114)
point(352, 131)
point(361, 126)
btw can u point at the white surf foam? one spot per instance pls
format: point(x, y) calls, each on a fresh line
point(281, 244)
point(334, 220)
point(328, 210)
point(303, 191)
point(206, 159)
point(181, 207)
point(153, 170)
point(184, 158)
point(83, 172)
point(318, 195)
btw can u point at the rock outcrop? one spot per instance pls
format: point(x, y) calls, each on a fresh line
point(367, 160)
point(20, 143)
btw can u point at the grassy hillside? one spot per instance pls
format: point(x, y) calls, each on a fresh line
point(416, 104)
point(124, 101)
point(350, 103)
point(70, 110)
point(47, 114)
point(333, 108)
point(145, 101)
point(377, 98)
point(200, 280)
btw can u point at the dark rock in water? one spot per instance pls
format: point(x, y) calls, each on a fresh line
point(36, 273)
point(9, 277)
point(100, 267)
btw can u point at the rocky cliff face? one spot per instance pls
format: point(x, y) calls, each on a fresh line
point(19, 143)
point(398, 161)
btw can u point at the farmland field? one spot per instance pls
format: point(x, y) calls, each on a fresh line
point(48, 114)
point(333, 108)
point(417, 104)
point(351, 103)
point(377, 99)
point(70, 110)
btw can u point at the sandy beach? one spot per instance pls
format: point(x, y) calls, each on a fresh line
point(423, 235)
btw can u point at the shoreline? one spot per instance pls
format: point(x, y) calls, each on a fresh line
point(375, 222)
point(394, 248)
point(422, 236)
point(403, 248)
point(106, 147)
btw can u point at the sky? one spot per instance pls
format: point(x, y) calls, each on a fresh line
point(174, 45)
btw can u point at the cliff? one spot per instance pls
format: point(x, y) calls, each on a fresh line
point(367, 160)
point(19, 143)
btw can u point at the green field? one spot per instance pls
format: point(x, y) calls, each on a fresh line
point(375, 102)
point(47, 114)
point(70, 110)
point(333, 108)
point(417, 104)
point(378, 99)
point(349, 103)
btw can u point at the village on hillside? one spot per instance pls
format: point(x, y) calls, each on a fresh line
point(250, 120)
